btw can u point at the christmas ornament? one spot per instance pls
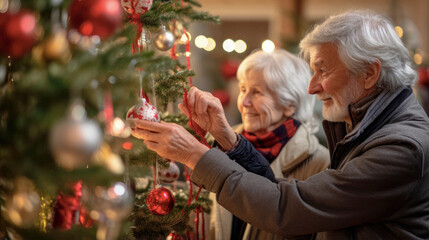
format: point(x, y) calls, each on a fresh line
point(142, 111)
point(109, 206)
point(160, 201)
point(75, 139)
point(229, 69)
point(170, 174)
point(136, 6)
point(144, 41)
point(173, 236)
point(114, 202)
point(22, 207)
point(223, 96)
point(45, 213)
point(67, 206)
point(163, 39)
point(423, 76)
point(95, 17)
point(18, 33)
point(56, 47)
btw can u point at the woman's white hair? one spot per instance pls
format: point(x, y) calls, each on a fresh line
point(287, 76)
point(363, 37)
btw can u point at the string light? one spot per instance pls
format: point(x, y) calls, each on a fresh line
point(228, 45)
point(211, 44)
point(268, 46)
point(201, 41)
point(240, 46)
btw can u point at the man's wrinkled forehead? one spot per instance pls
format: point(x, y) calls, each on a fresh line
point(313, 59)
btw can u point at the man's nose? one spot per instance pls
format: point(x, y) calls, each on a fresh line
point(314, 87)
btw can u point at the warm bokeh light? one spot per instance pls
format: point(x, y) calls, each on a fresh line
point(201, 41)
point(268, 46)
point(127, 145)
point(399, 31)
point(228, 45)
point(211, 45)
point(240, 46)
point(4, 5)
point(418, 59)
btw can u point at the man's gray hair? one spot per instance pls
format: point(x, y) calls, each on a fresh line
point(362, 37)
point(286, 75)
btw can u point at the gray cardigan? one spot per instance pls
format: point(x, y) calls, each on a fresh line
point(378, 189)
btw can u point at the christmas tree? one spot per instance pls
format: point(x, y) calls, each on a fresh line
point(71, 73)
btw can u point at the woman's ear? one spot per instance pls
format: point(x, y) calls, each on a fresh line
point(372, 74)
point(289, 110)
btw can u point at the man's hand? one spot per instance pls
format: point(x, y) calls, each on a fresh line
point(208, 113)
point(170, 141)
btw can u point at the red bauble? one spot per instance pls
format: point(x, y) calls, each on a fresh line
point(169, 174)
point(142, 111)
point(160, 201)
point(95, 17)
point(17, 33)
point(223, 96)
point(173, 236)
point(229, 68)
point(423, 76)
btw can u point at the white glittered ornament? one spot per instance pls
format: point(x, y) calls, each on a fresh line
point(169, 174)
point(142, 111)
point(75, 139)
point(136, 6)
point(164, 39)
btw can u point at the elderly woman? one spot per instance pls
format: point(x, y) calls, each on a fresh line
point(277, 119)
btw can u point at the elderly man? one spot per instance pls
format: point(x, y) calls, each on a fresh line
point(378, 135)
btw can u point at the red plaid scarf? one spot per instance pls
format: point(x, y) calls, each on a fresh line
point(270, 144)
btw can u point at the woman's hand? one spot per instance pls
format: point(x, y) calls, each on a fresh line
point(170, 141)
point(208, 113)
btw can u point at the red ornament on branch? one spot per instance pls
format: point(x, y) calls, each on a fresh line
point(229, 68)
point(95, 17)
point(223, 96)
point(18, 33)
point(160, 201)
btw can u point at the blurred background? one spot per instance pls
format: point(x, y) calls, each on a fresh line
point(246, 25)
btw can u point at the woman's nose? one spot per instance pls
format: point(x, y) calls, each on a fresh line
point(247, 101)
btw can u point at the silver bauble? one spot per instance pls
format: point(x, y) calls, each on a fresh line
point(114, 202)
point(163, 39)
point(75, 139)
point(22, 207)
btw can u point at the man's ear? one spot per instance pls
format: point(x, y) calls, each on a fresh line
point(289, 110)
point(372, 74)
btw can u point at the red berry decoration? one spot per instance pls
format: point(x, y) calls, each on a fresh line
point(17, 33)
point(160, 201)
point(95, 17)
